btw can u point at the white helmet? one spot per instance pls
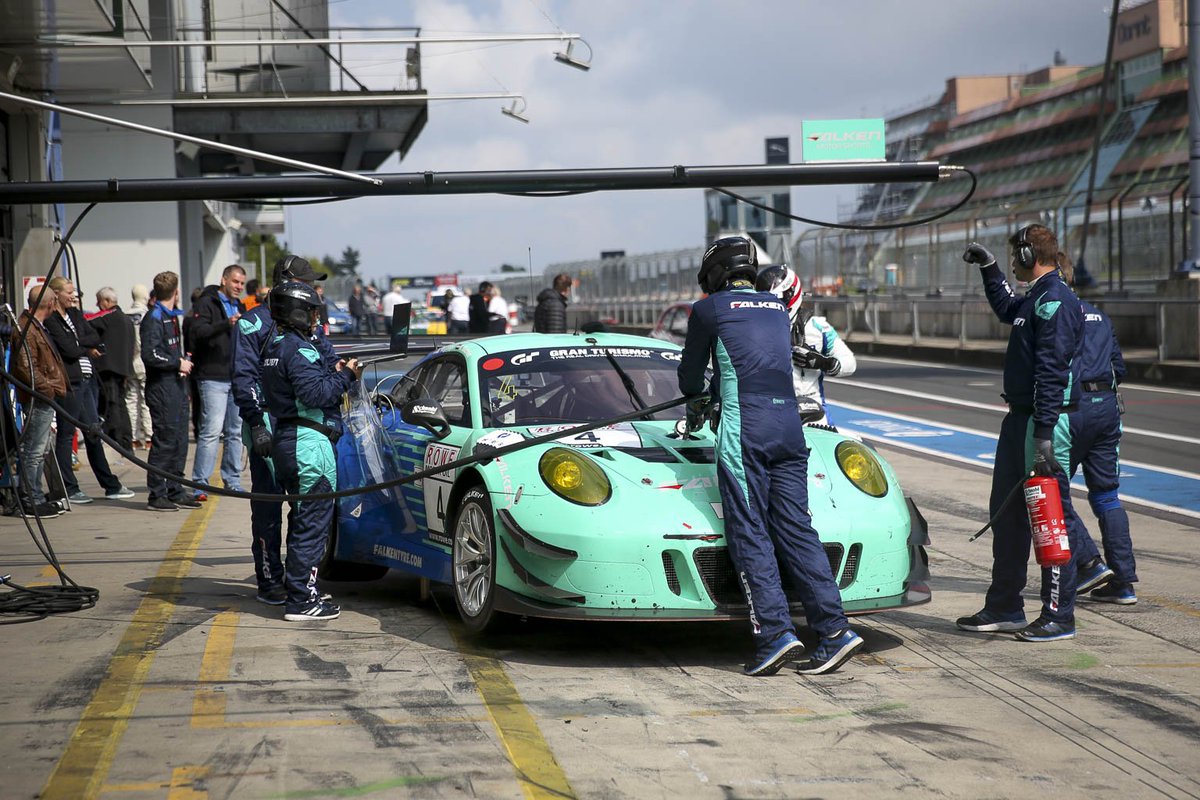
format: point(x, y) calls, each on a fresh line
point(780, 281)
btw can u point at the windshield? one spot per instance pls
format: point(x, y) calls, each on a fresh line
point(575, 384)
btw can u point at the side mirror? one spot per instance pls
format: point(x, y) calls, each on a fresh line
point(427, 414)
point(810, 410)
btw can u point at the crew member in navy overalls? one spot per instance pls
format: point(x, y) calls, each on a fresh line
point(762, 459)
point(1095, 446)
point(303, 390)
point(167, 368)
point(1041, 387)
point(254, 330)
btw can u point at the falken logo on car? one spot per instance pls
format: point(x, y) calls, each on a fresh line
point(437, 455)
point(524, 358)
point(398, 555)
point(756, 304)
point(699, 482)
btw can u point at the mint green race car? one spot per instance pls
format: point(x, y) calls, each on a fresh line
point(621, 522)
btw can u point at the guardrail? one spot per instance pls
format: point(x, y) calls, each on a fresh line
point(1170, 326)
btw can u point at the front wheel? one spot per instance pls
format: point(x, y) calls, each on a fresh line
point(473, 554)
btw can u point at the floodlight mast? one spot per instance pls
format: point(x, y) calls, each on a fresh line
point(530, 182)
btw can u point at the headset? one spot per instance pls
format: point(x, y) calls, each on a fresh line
point(285, 271)
point(1023, 253)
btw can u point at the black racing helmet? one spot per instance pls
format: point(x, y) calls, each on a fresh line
point(295, 305)
point(726, 259)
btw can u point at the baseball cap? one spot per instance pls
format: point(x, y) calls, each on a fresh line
point(294, 268)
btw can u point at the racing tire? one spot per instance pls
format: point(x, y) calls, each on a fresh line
point(473, 562)
point(330, 569)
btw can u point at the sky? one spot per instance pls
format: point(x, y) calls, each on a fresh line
point(701, 82)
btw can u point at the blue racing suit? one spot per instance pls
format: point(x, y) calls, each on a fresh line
point(762, 458)
point(1041, 385)
point(251, 337)
point(303, 391)
point(167, 398)
point(1096, 440)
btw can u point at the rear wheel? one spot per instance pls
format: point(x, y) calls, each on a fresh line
point(331, 569)
point(473, 554)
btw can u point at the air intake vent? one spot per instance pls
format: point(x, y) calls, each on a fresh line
point(669, 569)
point(716, 570)
point(850, 571)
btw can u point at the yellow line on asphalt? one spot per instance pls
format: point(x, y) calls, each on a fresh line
point(183, 783)
point(537, 770)
point(208, 705)
point(1165, 603)
point(89, 754)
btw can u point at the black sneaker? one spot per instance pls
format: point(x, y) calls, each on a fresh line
point(161, 504)
point(1045, 630)
point(183, 501)
point(43, 510)
point(987, 622)
point(1115, 592)
point(831, 653)
point(1092, 575)
point(318, 609)
point(273, 596)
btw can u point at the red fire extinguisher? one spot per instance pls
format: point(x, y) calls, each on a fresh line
point(1051, 547)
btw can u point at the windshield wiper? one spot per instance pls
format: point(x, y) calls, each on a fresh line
point(627, 381)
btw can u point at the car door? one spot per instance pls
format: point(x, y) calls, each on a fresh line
point(446, 384)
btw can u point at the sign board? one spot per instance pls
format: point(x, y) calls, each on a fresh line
point(843, 140)
point(778, 151)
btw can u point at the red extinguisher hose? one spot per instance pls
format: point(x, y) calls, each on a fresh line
point(1003, 507)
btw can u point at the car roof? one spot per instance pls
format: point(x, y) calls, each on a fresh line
point(528, 341)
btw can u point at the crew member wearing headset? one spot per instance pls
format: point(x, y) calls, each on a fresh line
point(817, 350)
point(254, 331)
point(1041, 387)
point(303, 390)
point(762, 460)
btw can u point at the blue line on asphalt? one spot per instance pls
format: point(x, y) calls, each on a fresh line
point(1169, 490)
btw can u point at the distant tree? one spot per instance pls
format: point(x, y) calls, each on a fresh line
point(349, 262)
point(256, 244)
point(511, 268)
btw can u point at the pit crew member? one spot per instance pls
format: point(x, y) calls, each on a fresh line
point(762, 460)
point(817, 350)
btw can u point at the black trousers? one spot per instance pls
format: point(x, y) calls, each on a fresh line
point(113, 409)
point(80, 403)
point(167, 398)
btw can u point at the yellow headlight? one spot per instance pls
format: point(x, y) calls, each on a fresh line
point(861, 467)
point(575, 477)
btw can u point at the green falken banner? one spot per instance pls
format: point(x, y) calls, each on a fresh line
point(843, 140)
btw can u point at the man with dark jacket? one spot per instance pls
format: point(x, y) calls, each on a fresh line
point(478, 317)
point(550, 316)
point(167, 368)
point(214, 317)
point(78, 343)
point(115, 364)
point(37, 364)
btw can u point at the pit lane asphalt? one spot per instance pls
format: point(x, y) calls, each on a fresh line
point(180, 685)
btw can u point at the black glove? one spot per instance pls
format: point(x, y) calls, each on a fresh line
point(260, 441)
point(696, 412)
point(979, 255)
point(805, 357)
point(1044, 462)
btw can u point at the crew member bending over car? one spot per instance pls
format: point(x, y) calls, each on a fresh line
point(817, 350)
point(303, 390)
point(762, 460)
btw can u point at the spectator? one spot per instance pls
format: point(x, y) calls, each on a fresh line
point(458, 313)
point(550, 316)
point(167, 368)
point(115, 365)
point(478, 309)
point(37, 364)
point(251, 298)
point(390, 300)
point(497, 312)
point(135, 387)
point(358, 309)
point(323, 311)
point(193, 386)
point(78, 343)
point(214, 316)
point(372, 300)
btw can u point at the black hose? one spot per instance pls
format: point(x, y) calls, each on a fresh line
point(1003, 507)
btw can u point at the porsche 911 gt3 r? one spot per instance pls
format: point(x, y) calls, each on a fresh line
point(622, 522)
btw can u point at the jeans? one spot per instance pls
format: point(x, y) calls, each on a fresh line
point(81, 403)
point(35, 437)
point(218, 417)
